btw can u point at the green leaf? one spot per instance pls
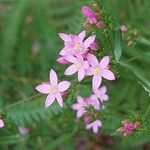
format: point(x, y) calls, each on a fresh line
point(12, 139)
point(144, 41)
point(32, 109)
point(137, 74)
point(118, 45)
point(64, 138)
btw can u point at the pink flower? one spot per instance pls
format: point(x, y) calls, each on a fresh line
point(92, 100)
point(1, 123)
point(128, 127)
point(94, 46)
point(79, 65)
point(79, 107)
point(74, 44)
point(123, 28)
point(100, 24)
point(90, 14)
point(94, 125)
point(23, 130)
point(53, 89)
point(101, 93)
point(99, 70)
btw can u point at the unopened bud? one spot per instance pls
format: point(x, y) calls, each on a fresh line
point(130, 43)
point(87, 25)
point(96, 6)
point(100, 24)
point(137, 124)
point(88, 120)
point(123, 28)
point(135, 32)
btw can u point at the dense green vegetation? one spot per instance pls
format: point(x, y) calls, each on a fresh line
point(29, 48)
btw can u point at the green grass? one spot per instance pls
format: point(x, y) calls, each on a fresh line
point(29, 48)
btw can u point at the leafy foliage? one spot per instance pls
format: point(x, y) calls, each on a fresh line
point(29, 48)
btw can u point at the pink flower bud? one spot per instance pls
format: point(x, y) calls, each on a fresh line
point(98, 15)
point(100, 24)
point(123, 28)
point(94, 46)
point(64, 93)
point(62, 60)
point(88, 120)
point(87, 25)
point(137, 124)
point(130, 43)
point(23, 130)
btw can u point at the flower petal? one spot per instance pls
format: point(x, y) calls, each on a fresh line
point(49, 100)
point(1, 123)
point(86, 64)
point(64, 37)
point(63, 86)
point(86, 10)
point(92, 60)
point(59, 99)
point(53, 78)
point(89, 71)
point(99, 123)
point(104, 62)
point(80, 113)
point(89, 41)
point(76, 106)
point(43, 88)
point(95, 128)
point(81, 74)
point(82, 34)
point(96, 81)
point(107, 74)
point(104, 97)
point(71, 70)
point(80, 100)
point(102, 90)
point(89, 126)
point(71, 59)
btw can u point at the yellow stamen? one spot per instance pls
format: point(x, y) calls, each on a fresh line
point(97, 70)
point(52, 90)
point(78, 46)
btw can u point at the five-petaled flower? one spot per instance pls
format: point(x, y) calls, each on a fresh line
point(80, 106)
point(79, 65)
point(53, 89)
point(94, 125)
point(99, 70)
point(74, 44)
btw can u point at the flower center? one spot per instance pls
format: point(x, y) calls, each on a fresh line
point(97, 70)
point(78, 47)
point(52, 90)
point(78, 65)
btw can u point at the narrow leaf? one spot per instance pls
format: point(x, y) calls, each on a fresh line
point(118, 45)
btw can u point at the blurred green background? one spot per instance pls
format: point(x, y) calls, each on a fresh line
point(29, 48)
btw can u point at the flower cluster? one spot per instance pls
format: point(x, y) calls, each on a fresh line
point(78, 52)
point(128, 127)
point(88, 108)
point(92, 17)
point(130, 35)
